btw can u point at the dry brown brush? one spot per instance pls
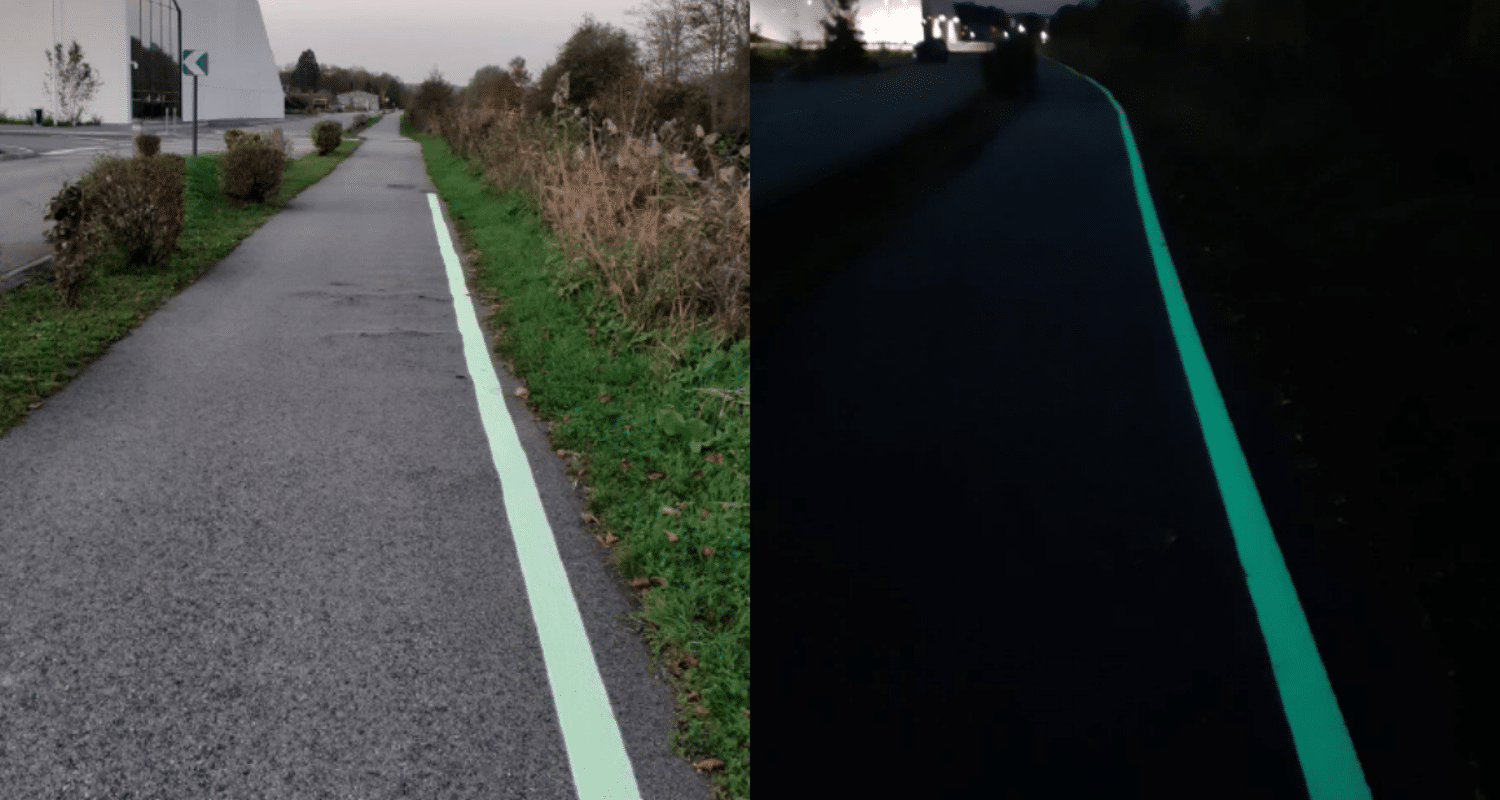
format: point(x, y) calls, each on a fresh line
point(644, 209)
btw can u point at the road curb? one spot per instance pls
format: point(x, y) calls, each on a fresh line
point(20, 275)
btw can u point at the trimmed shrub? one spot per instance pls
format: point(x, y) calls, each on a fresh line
point(359, 119)
point(327, 135)
point(137, 204)
point(72, 241)
point(251, 173)
point(231, 136)
point(249, 139)
point(279, 141)
point(147, 145)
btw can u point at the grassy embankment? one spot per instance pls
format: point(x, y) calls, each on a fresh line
point(1355, 266)
point(44, 345)
point(672, 505)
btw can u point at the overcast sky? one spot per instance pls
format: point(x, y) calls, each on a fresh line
point(408, 39)
point(781, 19)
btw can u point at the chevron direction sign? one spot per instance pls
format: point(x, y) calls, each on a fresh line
point(195, 62)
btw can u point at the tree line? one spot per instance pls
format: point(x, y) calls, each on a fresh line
point(690, 51)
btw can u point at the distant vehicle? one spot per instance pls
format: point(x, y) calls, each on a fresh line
point(931, 51)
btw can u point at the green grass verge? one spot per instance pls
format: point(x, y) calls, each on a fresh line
point(44, 346)
point(614, 396)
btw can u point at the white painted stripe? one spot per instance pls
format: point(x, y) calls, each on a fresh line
point(74, 150)
point(596, 752)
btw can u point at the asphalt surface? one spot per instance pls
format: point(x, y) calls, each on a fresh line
point(996, 508)
point(259, 548)
point(808, 131)
point(38, 160)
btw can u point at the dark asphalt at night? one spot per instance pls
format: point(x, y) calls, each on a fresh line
point(996, 512)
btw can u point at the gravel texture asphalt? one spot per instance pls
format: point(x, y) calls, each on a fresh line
point(259, 548)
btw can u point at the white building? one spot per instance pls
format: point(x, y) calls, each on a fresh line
point(133, 47)
point(893, 22)
point(358, 101)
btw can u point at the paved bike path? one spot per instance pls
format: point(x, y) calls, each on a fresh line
point(260, 548)
point(1040, 565)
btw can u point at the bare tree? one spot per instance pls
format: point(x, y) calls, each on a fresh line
point(668, 36)
point(70, 84)
point(518, 72)
point(720, 28)
point(720, 53)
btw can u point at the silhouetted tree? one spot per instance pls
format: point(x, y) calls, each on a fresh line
point(594, 56)
point(307, 73)
point(843, 45)
point(518, 72)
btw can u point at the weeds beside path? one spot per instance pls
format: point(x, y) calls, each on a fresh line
point(656, 427)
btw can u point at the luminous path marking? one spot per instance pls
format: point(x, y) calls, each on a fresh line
point(591, 735)
point(1329, 764)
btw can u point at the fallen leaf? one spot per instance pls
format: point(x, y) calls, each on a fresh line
point(34, 406)
point(641, 583)
point(523, 393)
point(669, 510)
point(625, 465)
point(610, 540)
point(604, 397)
point(567, 418)
point(688, 661)
point(697, 474)
point(656, 476)
point(627, 427)
point(671, 537)
point(652, 625)
point(561, 453)
point(694, 697)
point(703, 514)
point(747, 713)
point(590, 519)
point(659, 581)
point(716, 458)
point(708, 552)
point(709, 765)
point(591, 331)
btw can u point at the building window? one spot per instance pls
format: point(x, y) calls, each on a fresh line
point(155, 72)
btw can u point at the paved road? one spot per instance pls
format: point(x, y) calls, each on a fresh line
point(995, 493)
point(806, 131)
point(49, 156)
point(260, 550)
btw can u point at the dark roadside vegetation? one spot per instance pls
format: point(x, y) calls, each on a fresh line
point(1329, 177)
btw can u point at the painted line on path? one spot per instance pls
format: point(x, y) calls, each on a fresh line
point(1329, 763)
point(596, 752)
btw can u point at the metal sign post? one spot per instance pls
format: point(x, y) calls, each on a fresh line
point(195, 63)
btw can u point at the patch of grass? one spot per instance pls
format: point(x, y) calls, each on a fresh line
point(44, 345)
point(656, 426)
